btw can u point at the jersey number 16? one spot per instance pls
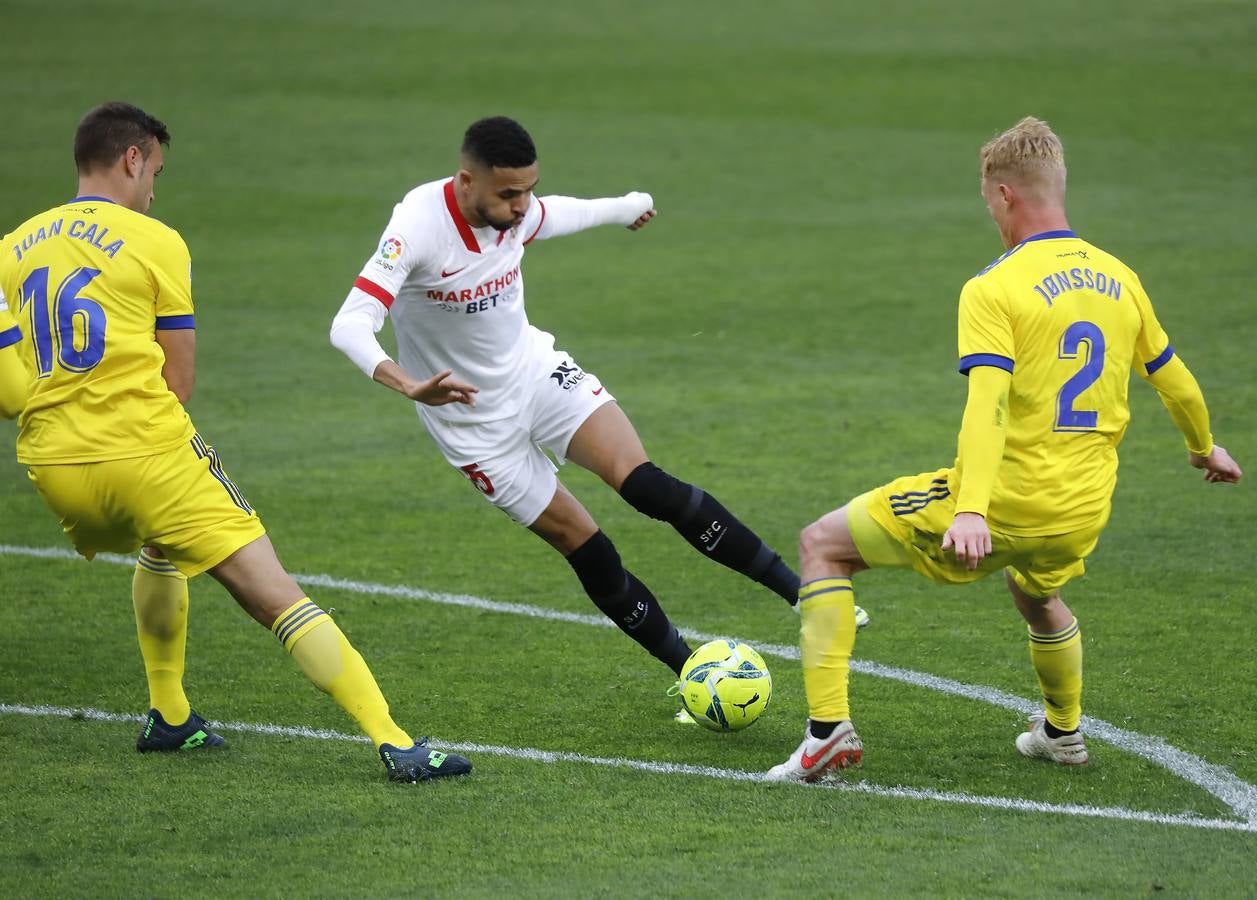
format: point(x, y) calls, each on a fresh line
point(77, 323)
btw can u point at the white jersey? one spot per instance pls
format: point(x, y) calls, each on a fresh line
point(456, 294)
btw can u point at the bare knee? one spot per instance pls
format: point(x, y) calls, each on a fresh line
point(565, 524)
point(607, 445)
point(818, 545)
point(566, 538)
point(619, 471)
point(254, 576)
point(826, 548)
point(812, 543)
point(1043, 614)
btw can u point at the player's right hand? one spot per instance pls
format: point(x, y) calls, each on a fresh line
point(441, 389)
point(1218, 465)
point(969, 537)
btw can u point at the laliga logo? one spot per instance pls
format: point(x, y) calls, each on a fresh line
point(391, 249)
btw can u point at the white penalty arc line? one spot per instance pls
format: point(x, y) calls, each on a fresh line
point(1010, 804)
point(1217, 780)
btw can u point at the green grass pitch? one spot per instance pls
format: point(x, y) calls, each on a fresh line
point(783, 335)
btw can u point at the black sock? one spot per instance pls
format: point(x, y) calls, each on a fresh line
point(708, 527)
point(821, 729)
point(1053, 732)
point(627, 602)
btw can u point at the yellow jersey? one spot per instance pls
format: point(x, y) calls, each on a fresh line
point(1069, 322)
point(89, 283)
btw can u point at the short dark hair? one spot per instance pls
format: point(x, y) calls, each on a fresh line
point(499, 143)
point(106, 132)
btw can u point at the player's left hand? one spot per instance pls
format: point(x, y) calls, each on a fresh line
point(1218, 466)
point(643, 201)
point(969, 537)
point(642, 219)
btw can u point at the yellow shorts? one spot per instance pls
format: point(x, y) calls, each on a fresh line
point(180, 501)
point(902, 524)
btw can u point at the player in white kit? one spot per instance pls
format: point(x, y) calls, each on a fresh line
point(495, 394)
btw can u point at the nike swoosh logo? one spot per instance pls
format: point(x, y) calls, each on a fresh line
point(809, 762)
point(445, 274)
point(712, 546)
point(599, 391)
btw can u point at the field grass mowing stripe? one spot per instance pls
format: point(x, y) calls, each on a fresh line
point(1219, 781)
point(1011, 804)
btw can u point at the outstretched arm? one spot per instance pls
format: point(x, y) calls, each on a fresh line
point(980, 448)
point(1186, 404)
point(567, 215)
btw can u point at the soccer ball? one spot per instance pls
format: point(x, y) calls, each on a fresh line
point(725, 685)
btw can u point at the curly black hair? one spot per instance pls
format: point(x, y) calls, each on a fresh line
point(499, 143)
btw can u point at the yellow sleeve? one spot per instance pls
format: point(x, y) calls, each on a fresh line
point(980, 446)
point(172, 277)
point(15, 379)
point(1156, 361)
point(984, 328)
point(1152, 345)
point(1182, 397)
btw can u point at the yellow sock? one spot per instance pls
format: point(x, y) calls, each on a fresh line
point(159, 593)
point(1057, 659)
point(826, 638)
point(327, 658)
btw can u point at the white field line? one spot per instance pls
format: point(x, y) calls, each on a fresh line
point(1217, 780)
point(667, 768)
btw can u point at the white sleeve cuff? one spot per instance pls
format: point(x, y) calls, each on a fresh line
point(354, 330)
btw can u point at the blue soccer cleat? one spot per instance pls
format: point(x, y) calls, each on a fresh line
point(158, 737)
point(422, 763)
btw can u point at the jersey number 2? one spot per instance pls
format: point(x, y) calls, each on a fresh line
point(77, 323)
point(1087, 339)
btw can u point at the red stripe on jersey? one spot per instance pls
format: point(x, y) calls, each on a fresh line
point(539, 224)
point(370, 287)
point(464, 230)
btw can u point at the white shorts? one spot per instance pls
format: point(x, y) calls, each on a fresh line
point(506, 460)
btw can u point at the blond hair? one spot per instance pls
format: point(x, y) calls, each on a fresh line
point(1029, 152)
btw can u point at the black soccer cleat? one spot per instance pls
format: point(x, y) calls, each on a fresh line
point(421, 763)
point(158, 737)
